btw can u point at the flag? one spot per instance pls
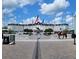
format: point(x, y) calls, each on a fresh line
point(32, 21)
point(36, 21)
point(42, 21)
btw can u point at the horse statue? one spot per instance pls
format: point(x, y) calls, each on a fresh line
point(60, 33)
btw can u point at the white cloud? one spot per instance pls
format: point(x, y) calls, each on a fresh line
point(28, 20)
point(9, 3)
point(25, 2)
point(57, 20)
point(15, 3)
point(20, 23)
point(54, 6)
point(12, 21)
point(31, 20)
point(69, 18)
point(40, 1)
point(71, 26)
point(59, 14)
point(7, 12)
point(9, 21)
point(4, 23)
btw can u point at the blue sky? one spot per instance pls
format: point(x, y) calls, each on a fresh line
point(25, 11)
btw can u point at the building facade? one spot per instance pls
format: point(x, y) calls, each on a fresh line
point(21, 27)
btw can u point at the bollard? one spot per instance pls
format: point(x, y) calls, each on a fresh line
point(74, 41)
point(74, 37)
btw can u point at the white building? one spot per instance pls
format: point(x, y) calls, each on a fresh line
point(37, 24)
point(21, 27)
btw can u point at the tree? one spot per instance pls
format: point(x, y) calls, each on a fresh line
point(4, 27)
point(10, 31)
point(4, 31)
point(48, 31)
point(25, 30)
point(28, 31)
point(65, 30)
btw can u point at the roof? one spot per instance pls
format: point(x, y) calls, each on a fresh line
point(39, 24)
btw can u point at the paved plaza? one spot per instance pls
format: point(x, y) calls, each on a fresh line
point(41, 36)
point(52, 49)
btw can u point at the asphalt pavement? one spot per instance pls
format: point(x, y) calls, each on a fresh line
point(40, 48)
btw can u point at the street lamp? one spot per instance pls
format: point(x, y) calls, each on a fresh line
point(74, 28)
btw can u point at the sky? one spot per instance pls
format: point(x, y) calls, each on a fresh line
point(26, 11)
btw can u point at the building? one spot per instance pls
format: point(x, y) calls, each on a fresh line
point(37, 24)
point(21, 27)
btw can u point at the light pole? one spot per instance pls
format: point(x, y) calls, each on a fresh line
point(74, 28)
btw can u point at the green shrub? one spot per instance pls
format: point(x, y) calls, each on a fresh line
point(65, 30)
point(4, 31)
point(28, 30)
point(10, 31)
point(4, 27)
point(48, 31)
